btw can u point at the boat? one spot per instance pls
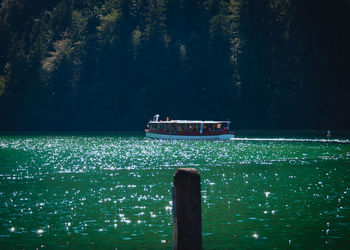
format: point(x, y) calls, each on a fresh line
point(188, 129)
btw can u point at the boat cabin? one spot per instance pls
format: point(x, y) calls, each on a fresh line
point(187, 127)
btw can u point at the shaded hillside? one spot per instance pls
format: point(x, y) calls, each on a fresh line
point(111, 65)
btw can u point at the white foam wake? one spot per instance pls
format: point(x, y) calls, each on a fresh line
point(292, 140)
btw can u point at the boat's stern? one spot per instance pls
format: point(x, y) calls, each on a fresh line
point(226, 136)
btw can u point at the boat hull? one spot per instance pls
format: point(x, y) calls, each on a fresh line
point(190, 137)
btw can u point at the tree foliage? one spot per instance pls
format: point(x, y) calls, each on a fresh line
point(112, 64)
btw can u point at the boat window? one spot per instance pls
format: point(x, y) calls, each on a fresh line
point(225, 126)
point(205, 128)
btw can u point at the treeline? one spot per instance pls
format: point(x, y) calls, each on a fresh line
point(112, 64)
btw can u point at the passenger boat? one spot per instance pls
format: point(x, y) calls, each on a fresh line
point(187, 129)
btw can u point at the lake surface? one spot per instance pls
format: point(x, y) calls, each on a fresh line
point(115, 191)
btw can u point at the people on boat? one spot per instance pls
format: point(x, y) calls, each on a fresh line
point(157, 128)
point(186, 127)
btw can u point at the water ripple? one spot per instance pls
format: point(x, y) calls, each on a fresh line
point(116, 191)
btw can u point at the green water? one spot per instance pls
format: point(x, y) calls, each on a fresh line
point(115, 192)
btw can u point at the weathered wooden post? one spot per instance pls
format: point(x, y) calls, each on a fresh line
point(187, 214)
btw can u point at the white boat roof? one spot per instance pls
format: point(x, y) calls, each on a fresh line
point(190, 121)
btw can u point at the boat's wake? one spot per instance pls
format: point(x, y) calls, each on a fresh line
point(292, 140)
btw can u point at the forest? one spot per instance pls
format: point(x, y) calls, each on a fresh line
point(110, 65)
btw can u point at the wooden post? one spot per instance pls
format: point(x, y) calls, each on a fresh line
point(187, 214)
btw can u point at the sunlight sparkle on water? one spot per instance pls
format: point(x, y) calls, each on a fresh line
point(107, 189)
